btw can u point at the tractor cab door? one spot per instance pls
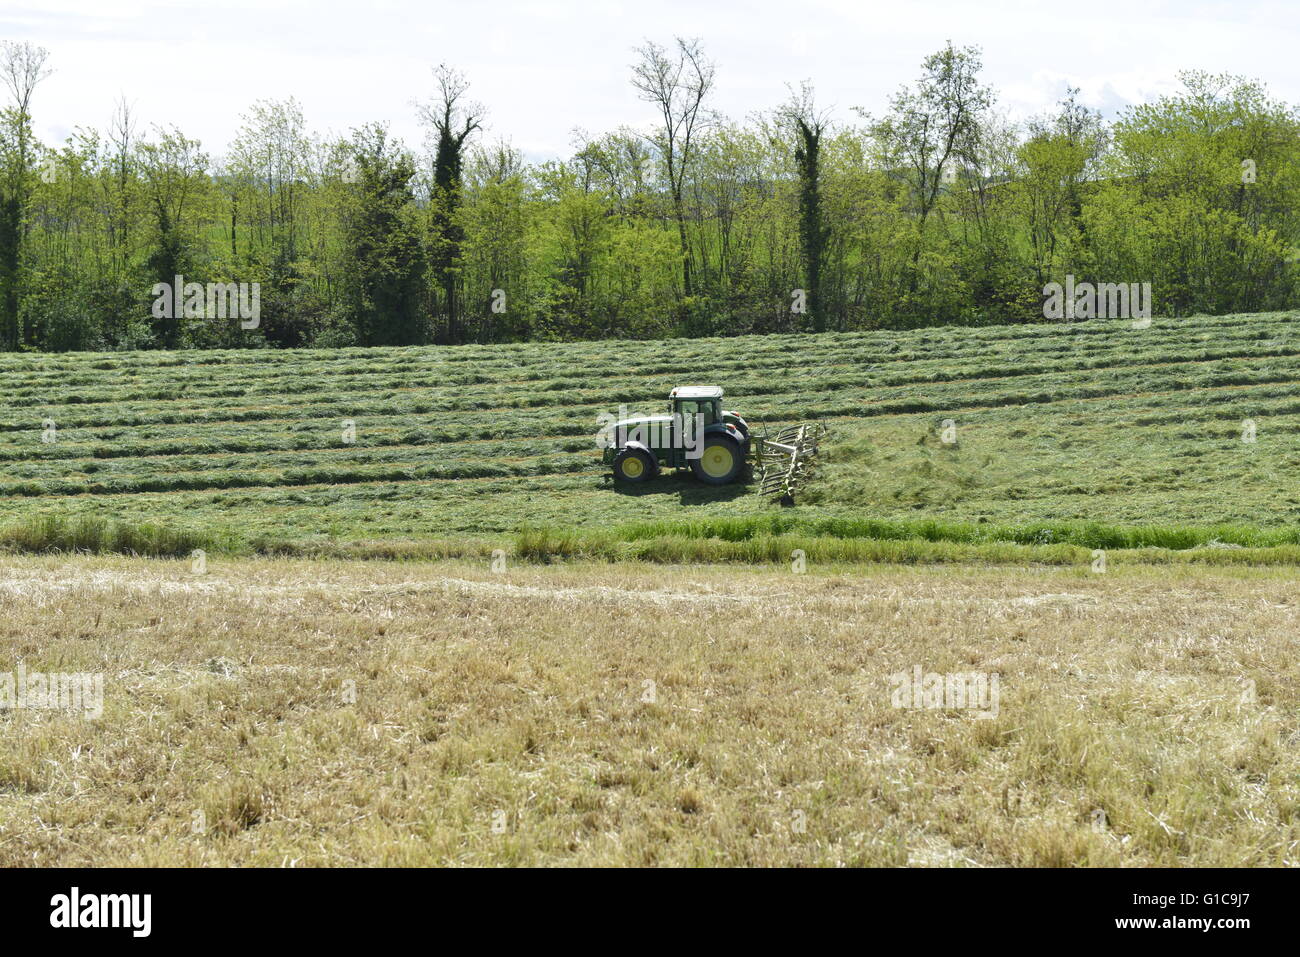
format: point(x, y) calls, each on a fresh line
point(686, 410)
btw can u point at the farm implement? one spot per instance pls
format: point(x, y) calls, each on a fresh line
point(787, 460)
point(716, 445)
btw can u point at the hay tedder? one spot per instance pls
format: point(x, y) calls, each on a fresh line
point(716, 445)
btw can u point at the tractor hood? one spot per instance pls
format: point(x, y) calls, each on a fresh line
point(656, 432)
point(650, 425)
point(633, 421)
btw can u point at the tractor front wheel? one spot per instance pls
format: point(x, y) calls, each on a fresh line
point(634, 465)
point(720, 461)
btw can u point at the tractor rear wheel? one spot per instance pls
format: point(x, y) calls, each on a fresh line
point(634, 465)
point(720, 461)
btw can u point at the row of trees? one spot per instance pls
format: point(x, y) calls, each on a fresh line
point(939, 211)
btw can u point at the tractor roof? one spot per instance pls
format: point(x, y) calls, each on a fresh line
point(696, 392)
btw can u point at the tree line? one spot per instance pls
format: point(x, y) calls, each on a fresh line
point(939, 211)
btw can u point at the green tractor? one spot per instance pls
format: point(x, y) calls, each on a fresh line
point(697, 433)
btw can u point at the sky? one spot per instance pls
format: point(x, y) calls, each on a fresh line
point(546, 69)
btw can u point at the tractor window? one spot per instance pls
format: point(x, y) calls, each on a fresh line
point(691, 407)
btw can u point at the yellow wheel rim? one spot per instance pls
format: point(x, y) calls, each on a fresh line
point(633, 466)
point(716, 461)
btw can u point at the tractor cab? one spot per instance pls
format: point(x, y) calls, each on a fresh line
point(692, 400)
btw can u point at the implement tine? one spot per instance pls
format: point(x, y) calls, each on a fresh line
point(788, 458)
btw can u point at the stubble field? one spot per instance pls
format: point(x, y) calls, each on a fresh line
point(293, 712)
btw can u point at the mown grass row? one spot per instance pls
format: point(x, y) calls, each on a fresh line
point(121, 483)
point(138, 455)
point(303, 373)
point(759, 397)
point(933, 367)
point(340, 455)
point(205, 439)
point(523, 354)
point(406, 455)
point(580, 409)
point(856, 370)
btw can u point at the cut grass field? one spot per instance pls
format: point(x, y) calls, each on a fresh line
point(276, 711)
point(1056, 427)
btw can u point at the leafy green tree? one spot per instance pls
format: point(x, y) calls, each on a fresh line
point(930, 137)
point(808, 125)
point(383, 273)
point(676, 85)
point(496, 251)
point(267, 180)
point(1208, 236)
point(174, 169)
point(1056, 163)
point(22, 67)
point(452, 121)
point(940, 212)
